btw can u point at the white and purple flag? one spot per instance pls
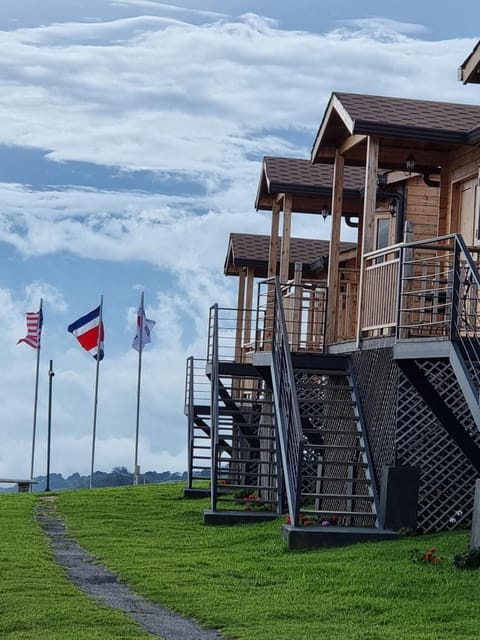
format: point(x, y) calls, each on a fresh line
point(144, 328)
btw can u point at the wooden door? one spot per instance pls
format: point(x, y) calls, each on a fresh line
point(468, 211)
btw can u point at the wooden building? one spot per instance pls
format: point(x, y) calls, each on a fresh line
point(349, 395)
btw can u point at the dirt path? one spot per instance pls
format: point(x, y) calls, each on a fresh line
point(94, 580)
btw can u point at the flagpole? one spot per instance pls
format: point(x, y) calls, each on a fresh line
point(35, 400)
point(95, 402)
point(136, 469)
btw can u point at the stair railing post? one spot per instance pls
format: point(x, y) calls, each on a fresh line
point(455, 288)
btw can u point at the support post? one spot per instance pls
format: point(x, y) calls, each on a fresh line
point(368, 229)
point(334, 250)
point(286, 233)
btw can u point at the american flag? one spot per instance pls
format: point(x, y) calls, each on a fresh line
point(34, 329)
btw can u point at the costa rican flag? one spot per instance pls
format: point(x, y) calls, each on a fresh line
point(34, 321)
point(86, 330)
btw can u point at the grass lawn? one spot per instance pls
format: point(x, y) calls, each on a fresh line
point(241, 579)
point(37, 601)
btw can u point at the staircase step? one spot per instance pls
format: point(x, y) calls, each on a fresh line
point(323, 512)
point(335, 447)
point(312, 478)
point(337, 496)
point(322, 431)
point(325, 401)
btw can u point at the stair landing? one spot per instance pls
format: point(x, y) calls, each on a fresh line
point(316, 536)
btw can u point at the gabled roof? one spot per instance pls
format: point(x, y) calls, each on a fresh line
point(309, 185)
point(469, 70)
point(432, 125)
point(251, 250)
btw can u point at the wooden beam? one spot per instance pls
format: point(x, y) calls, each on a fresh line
point(351, 142)
point(286, 233)
point(334, 251)
point(273, 245)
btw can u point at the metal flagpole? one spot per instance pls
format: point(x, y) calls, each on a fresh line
point(136, 472)
point(35, 400)
point(49, 429)
point(95, 402)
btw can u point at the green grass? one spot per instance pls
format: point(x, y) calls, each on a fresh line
point(240, 579)
point(37, 602)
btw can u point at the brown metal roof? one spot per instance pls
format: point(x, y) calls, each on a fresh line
point(439, 123)
point(310, 185)
point(251, 250)
point(469, 71)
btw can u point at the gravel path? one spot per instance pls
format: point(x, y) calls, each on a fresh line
point(94, 580)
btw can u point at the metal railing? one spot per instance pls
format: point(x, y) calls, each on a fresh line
point(286, 407)
point(234, 332)
point(379, 292)
point(440, 297)
point(305, 313)
point(197, 400)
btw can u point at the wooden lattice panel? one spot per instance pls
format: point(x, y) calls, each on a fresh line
point(447, 478)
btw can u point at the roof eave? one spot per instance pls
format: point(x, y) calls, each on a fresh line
point(411, 133)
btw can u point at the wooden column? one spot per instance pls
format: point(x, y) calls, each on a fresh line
point(334, 250)
point(285, 250)
point(240, 315)
point(369, 207)
point(247, 329)
point(272, 272)
point(273, 246)
point(297, 308)
point(370, 201)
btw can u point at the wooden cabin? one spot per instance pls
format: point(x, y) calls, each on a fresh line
point(373, 426)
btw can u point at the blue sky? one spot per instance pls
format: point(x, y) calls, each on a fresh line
point(131, 144)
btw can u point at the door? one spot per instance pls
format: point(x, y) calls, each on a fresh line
point(468, 212)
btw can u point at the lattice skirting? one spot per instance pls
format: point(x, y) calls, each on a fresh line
point(402, 430)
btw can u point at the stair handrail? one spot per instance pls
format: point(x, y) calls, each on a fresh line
point(189, 409)
point(214, 380)
point(286, 407)
point(465, 302)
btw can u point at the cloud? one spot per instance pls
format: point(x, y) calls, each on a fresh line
point(162, 6)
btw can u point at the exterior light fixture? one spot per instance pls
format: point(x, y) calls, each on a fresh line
point(410, 163)
point(325, 211)
point(392, 207)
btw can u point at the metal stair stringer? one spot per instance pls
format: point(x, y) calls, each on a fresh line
point(471, 394)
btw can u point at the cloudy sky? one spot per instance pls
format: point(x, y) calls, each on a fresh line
point(132, 133)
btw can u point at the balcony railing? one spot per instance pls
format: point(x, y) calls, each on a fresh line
point(379, 292)
point(304, 304)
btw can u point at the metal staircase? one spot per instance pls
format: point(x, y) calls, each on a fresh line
point(335, 485)
point(328, 472)
point(245, 475)
point(198, 411)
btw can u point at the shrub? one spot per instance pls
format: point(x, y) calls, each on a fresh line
point(468, 560)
